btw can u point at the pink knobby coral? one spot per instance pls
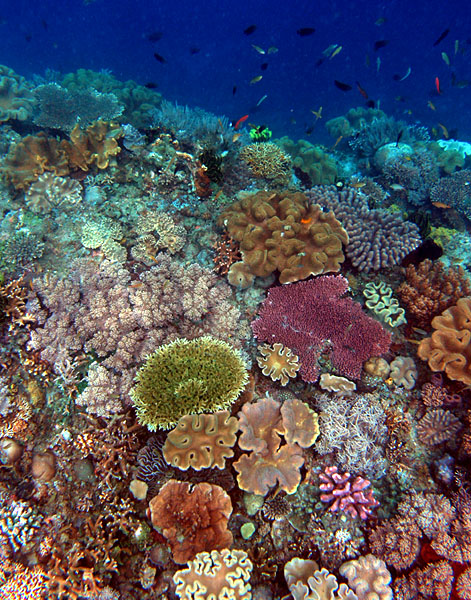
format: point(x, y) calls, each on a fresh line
point(346, 494)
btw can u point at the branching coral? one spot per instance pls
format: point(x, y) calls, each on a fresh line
point(201, 441)
point(278, 362)
point(282, 232)
point(192, 519)
point(314, 316)
point(215, 576)
point(347, 495)
point(186, 378)
point(268, 161)
point(449, 347)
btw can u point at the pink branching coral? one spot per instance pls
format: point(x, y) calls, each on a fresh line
point(347, 495)
point(311, 316)
point(101, 309)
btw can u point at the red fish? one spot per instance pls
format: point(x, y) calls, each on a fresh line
point(437, 85)
point(240, 121)
point(362, 91)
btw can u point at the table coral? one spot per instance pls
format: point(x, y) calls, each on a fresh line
point(201, 441)
point(449, 347)
point(313, 316)
point(215, 576)
point(192, 518)
point(281, 231)
point(278, 362)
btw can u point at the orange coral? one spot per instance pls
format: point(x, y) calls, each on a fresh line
point(282, 231)
point(449, 347)
point(431, 288)
point(278, 362)
point(192, 519)
point(201, 441)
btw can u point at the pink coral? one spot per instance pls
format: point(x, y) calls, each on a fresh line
point(347, 495)
point(310, 316)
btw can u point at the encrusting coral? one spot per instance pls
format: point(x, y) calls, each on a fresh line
point(187, 377)
point(281, 231)
point(192, 518)
point(449, 347)
point(278, 362)
point(201, 441)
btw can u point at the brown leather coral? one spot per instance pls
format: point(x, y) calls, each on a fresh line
point(95, 145)
point(192, 519)
point(201, 441)
point(282, 231)
point(449, 347)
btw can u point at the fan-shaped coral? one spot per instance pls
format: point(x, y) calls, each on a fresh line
point(278, 362)
point(187, 377)
point(283, 232)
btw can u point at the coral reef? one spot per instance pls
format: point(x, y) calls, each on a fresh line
point(368, 577)
point(157, 230)
point(16, 99)
point(311, 317)
point(282, 232)
point(278, 362)
point(50, 191)
point(437, 426)
point(449, 347)
point(347, 495)
point(404, 372)
point(380, 300)
point(454, 191)
point(187, 377)
point(105, 234)
point(192, 519)
point(307, 582)
point(268, 161)
point(377, 239)
point(311, 160)
point(339, 385)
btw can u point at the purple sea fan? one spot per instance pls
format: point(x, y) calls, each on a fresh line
point(347, 495)
point(312, 316)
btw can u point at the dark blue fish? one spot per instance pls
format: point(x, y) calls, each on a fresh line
point(264, 66)
point(441, 37)
point(159, 57)
point(345, 87)
point(250, 29)
point(154, 36)
point(380, 44)
point(194, 50)
point(304, 31)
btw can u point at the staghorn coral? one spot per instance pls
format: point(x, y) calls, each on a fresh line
point(378, 239)
point(368, 577)
point(347, 495)
point(16, 99)
point(306, 582)
point(22, 583)
point(449, 347)
point(192, 518)
point(19, 523)
point(279, 231)
point(268, 161)
point(314, 316)
point(270, 463)
point(201, 441)
point(94, 308)
point(380, 300)
point(404, 372)
point(50, 191)
point(437, 426)
point(215, 576)
point(278, 362)
point(430, 288)
point(187, 377)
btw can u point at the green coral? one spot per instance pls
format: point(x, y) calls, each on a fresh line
point(187, 377)
point(354, 120)
point(381, 302)
point(310, 159)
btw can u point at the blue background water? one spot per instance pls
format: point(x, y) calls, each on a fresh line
point(66, 36)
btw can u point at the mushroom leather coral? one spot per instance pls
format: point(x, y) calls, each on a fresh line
point(192, 519)
point(449, 347)
point(282, 231)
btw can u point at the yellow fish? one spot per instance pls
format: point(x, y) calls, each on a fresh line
point(431, 105)
point(235, 137)
point(317, 113)
point(446, 60)
point(335, 52)
point(258, 49)
point(328, 51)
point(358, 185)
point(445, 131)
point(256, 79)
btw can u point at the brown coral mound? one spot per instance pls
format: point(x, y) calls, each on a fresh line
point(282, 231)
point(449, 347)
point(431, 288)
point(193, 519)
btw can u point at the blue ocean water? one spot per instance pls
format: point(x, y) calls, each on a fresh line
point(207, 54)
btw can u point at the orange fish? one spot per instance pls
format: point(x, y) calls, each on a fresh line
point(440, 205)
point(445, 131)
point(217, 194)
point(337, 141)
point(437, 85)
point(306, 221)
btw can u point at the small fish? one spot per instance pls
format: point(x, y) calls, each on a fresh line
point(345, 87)
point(445, 58)
point(380, 21)
point(399, 99)
point(408, 72)
point(194, 50)
point(218, 194)
point(317, 113)
point(328, 51)
point(320, 61)
point(397, 187)
point(457, 46)
point(306, 221)
point(28, 37)
point(256, 79)
point(154, 36)
point(264, 97)
point(380, 44)
point(431, 105)
point(441, 37)
point(437, 85)
point(272, 50)
point(240, 121)
point(304, 31)
point(371, 104)
point(335, 52)
point(378, 64)
point(258, 49)
point(399, 136)
point(309, 130)
point(358, 185)
point(337, 142)
point(445, 131)
point(136, 285)
point(367, 61)
point(160, 58)
point(264, 66)
point(361, 90)
point(441, 205)
point(151, 85)
point(250, 29)
point(235, 137)
point(234, 90)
